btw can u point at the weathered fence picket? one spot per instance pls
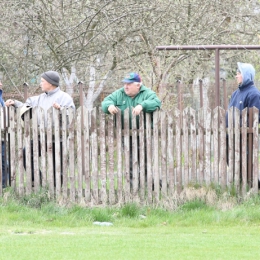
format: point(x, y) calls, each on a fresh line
point(102, 159)
point(193, 144)
point(185, 146)
point(215, 126)
point(149, 157)
point(156, 173)
point(170, 153)
point(223, 150)
point(80, 144)
point(127, 156)
point(200, 146)
point(94, 159)
point(119, 151)
point(163, 153)
point(64, 133)
point(255, 159)
point(178, 149)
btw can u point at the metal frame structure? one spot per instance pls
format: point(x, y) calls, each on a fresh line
point(217, 49)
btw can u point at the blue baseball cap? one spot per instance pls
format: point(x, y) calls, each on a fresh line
point(132, 77)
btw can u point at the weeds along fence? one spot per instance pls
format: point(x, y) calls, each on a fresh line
point(91, 157)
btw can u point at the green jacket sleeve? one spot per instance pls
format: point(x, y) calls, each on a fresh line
point(109, 100)
point(151, 102)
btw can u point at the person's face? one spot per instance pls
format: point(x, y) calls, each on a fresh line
point(45, 85)
point(239, 78)
point(132, 89)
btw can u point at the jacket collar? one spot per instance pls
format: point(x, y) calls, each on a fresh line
point(49, 93)
point(244, 86)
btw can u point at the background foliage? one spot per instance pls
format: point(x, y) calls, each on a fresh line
point(98, 42)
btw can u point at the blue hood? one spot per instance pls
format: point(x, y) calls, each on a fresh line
point(248, 73)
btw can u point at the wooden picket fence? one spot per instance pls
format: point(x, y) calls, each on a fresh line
point(166, 151)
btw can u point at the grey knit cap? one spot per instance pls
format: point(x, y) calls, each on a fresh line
point(52, 77)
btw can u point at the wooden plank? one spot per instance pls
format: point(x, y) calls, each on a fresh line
point(193, 144)
point(149, 158)
point(103, 161)
point(50, 166)
point(222, 149)
point(207, 146)
point(230, 147)
point(12, 145)
point(110, 144)
point(35, 138)
point(200, 146)
point(57, 152)
point(119, 153)
point(244, 152)
point(215, 127)
point(65, 151)
point(20, 147)
point(43, 150)
point(126, 156)
point(135, 162)
point(78, 176)
point(94, 159)
point(156, 170)
point(255, 176)
point(185, 146)
point(71, 142)
point(27, 145)
point(178, 153)
point(163, 155)
point(237, 155)
point(142, 161)
point(86, 147)
point(170, 152)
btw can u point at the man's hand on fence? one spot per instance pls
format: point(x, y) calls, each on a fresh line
point(112, 109)
point(56, 105)
point(9, 102)
point(137, 110)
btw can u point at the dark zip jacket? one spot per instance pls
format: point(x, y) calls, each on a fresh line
point(247, 95)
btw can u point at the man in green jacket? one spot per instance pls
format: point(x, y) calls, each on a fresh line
point(133, 94)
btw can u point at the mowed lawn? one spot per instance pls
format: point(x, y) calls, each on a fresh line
point(37, 228)
point(160, 242)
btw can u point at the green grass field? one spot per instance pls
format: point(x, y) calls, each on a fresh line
point(160, 242)
point(36, 228)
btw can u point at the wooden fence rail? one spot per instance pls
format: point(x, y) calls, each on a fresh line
point(87, 156)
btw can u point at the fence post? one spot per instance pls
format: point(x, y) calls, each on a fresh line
point(217, 92)
point(250, 147)
point(81, 103)
point(25, 90)
point(201, 93)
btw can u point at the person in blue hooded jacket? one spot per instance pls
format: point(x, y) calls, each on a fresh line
point(247, 95)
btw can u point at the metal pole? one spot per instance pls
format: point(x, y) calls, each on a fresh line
point(217, 78)
point(201, 93)
point(208, 47)
point(225, 93)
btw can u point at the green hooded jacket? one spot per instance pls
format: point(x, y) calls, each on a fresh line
point(146, 98)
